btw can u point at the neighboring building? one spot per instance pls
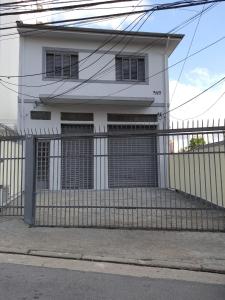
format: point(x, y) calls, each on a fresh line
point(92, 79)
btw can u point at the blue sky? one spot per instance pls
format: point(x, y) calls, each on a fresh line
point(200, 71)
point(211, 27)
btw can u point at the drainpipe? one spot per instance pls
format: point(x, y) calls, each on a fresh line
point(166, 82)
point(21, 115)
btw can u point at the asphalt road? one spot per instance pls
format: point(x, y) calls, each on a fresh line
point(24, 282)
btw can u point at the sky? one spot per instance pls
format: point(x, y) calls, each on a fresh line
point(199, 71)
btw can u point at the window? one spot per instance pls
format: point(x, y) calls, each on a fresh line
point(130, 68)
point(65, 116)
point(131, 118)
point(61, 65)
point(40, 115)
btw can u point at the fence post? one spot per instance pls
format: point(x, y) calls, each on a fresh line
point(29, 195)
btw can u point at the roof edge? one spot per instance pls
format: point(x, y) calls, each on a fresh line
point(21, 25)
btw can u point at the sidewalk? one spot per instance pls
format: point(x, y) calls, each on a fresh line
point(200, 251)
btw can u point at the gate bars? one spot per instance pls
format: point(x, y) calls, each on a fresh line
point(12, 161)
point(141, 178)
point(131, 177)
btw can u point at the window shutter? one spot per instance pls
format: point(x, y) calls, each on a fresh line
point(49, 64)
point(134, 75)
point(126, 68)
point(141, 69)
point(66, 65)
point(74, 66)
point(118, 68)
point(58, 65)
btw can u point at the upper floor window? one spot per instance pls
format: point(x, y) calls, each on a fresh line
point(61, 64)
point(130, 68)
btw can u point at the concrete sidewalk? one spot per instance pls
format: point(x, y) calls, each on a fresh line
point(200, 251)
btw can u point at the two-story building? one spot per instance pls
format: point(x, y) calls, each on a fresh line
point(81, 80)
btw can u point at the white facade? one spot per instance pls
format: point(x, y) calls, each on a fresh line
point(101, 94)
point(96, 90)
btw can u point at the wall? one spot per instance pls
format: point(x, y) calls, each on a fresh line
point(9, 66)
point(32, 61)
point(200, 174)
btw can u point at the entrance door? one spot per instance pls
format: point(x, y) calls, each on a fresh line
point(132, 159)
point(77, 161)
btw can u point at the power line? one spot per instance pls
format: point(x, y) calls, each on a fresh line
point(169, 67)
point(190, 55)
point(205, 111)
point(102, 17)
point(166, 6)
point(189, 49)
point(34, 97)
point(87, 80)
point(176, 28)
point(152, 43)
point(107, 41)
point(195, 97)
point(180, 26)
point(31, 11)
point(18, 93)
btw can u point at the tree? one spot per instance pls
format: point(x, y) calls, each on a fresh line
point(194, 143)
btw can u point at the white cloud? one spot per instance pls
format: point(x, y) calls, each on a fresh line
point(105, 9)
point(196, 81)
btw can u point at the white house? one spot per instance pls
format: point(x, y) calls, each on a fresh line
point(82, 80)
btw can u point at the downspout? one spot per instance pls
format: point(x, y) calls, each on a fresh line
point(20, 81)
point(166, 82)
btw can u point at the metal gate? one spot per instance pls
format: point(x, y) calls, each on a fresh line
point(77, 158)
point(176, 180)
point(130, 164)
point(12, 161)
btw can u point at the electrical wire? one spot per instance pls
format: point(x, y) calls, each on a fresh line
point(107, 41)
point(189, 49)
point(31, 11)
point(196, 96)
point(198, 51)
point(179, 27)
point(205, 111)
point(87, 80)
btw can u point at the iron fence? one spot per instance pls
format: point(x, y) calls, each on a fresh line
point(132, 177)
point(127, 176)
point(12, 161)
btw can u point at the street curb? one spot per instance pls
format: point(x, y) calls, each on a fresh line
point(156, 263)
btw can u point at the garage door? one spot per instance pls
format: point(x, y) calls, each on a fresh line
point(77, 158)
point(132, 159)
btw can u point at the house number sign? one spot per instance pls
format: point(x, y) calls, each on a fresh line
point(157, 93)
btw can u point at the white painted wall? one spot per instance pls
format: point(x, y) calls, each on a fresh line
point(9, 65)
point(31, 60)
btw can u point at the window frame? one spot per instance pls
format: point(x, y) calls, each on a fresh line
point(62, 53)
point(46, 115)
point(130, 58)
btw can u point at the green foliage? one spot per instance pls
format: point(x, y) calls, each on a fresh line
point(194, 143)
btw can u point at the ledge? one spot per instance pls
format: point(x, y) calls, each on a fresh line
point(137, 101)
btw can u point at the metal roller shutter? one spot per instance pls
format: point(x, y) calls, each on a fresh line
point(77, 158)
point(132, 159)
